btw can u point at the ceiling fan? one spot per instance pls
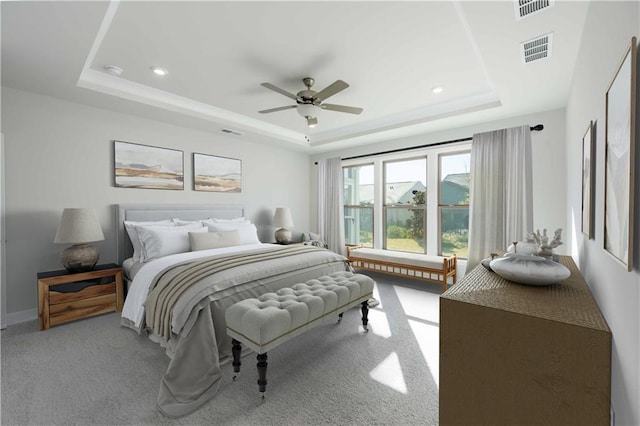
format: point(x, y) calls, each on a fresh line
point(309, 102)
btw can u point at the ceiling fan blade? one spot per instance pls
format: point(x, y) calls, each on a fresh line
point(341, 108)
point(267, 111)
point(279, 90)
point(330, 90)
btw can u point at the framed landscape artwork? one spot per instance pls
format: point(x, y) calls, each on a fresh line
point(216, 174)
point(588, 183)
point(620, 159)
point(143, 166)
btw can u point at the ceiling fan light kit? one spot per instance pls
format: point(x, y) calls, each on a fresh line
point(309, 102)
point(310, 113)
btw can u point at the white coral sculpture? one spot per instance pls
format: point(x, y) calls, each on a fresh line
point(545, 247)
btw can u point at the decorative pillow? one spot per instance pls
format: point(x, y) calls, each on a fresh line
point(248, 231)
point(310, 236)
point(211, 240)
point(213, 220)
point(132, 226)
point(163, 241)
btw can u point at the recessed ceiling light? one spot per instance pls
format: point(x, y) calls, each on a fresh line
point(159, 71)
point(112, 69)
point(437, 89)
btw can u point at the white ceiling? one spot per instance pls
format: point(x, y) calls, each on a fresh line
point(217, 53)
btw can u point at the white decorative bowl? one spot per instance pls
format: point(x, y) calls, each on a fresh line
point(529, 269)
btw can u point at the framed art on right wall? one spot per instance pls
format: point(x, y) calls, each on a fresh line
point(619, 159)
point(587, 181)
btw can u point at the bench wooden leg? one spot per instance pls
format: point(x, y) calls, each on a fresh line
point(236, 349)
point(365, 315)
point(262, 373)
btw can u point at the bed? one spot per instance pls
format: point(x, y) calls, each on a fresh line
point(179, 297)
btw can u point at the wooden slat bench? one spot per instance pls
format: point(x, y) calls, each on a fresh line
point(412, 265)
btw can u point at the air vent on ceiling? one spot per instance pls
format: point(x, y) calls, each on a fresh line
point(526, 8)
point(536, 49)
point(231, 132)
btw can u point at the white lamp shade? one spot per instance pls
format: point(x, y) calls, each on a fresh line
point(282, 217)
point(78, 226)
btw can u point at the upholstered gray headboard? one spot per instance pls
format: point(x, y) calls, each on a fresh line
point(144, 212)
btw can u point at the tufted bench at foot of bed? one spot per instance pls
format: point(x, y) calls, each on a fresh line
point(265, 322)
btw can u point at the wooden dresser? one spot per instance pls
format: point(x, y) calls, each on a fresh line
point(513, 354)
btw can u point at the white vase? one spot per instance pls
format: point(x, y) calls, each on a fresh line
point(529, 269)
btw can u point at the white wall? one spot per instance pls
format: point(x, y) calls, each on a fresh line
point(608, 30)
point(549, 174)
point(3, 262)
point(60, 154)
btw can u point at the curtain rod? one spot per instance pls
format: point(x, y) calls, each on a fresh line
point(536, 128)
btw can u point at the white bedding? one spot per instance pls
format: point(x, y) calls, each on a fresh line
point(196, 340)
point(133, 309)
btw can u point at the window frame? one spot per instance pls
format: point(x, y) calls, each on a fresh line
point(441, 206)
point(360, 206)
point(385, 207)
point(432, 228)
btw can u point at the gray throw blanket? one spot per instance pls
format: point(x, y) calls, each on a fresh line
point(174, 282)
point(196, 348)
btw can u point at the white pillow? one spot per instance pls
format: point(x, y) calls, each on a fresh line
point(180, 222)
point(236, 220)
point(248, 232)
point(211, 240)
point(132, 226)
point(163, 241)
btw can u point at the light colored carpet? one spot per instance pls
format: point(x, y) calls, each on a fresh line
point(94, 371)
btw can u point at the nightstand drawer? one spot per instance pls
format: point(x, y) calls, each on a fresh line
point(56, 297)
point(81, 308)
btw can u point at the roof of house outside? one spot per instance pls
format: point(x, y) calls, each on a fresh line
point(461, 179)
point(396, 192)
point(402, 192)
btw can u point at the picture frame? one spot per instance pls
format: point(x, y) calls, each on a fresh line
point(620, 159)
point(588, 181)
point(147, 167)
point(212, 173)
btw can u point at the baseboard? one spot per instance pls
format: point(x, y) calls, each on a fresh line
point(22, 316)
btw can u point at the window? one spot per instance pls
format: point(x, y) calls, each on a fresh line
point(415, 202)
point(358, 205)
point(453, 204)
point(405, 212)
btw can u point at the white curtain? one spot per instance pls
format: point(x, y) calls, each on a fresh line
point(501, 195)
point(330, 206)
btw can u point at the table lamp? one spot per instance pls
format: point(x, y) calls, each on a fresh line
point(79, 227)
point(282, 219)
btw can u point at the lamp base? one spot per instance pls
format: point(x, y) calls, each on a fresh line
point(79, 258)
point(283, 236)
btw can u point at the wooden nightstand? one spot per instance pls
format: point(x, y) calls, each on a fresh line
point(65, 296)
